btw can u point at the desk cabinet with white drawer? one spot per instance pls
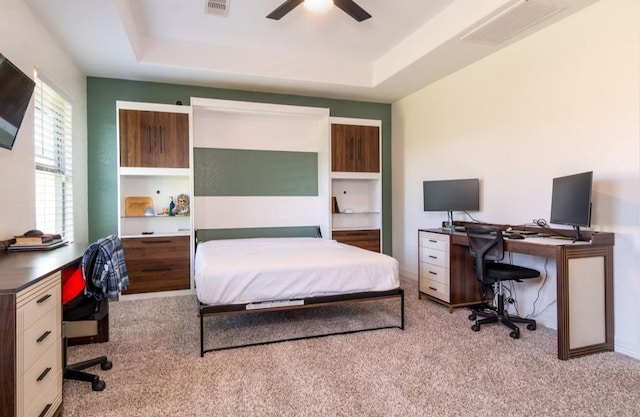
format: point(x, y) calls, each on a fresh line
point(39, 348)
point(437, 280)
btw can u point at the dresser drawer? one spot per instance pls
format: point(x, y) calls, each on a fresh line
point(435, 257)
point(48, 400)
point(434, 273)
point(434, 241)
point(41, 375)
point(35, 341)
point(36, 301)
point(366, 239)
point(434, 289)
point(157, 264)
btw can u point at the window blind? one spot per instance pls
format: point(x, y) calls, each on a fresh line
point(53, 159)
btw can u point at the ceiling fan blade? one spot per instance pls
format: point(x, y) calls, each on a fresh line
point(352, 9)
point(283, 9)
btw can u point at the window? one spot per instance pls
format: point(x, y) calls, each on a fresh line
point(54, 165)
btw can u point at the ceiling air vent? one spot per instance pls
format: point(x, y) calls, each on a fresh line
point(509, 22)
point(217, 7)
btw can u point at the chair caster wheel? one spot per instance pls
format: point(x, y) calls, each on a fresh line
point(531, 326)
point(98, 385)
point(106, 366)
point(475, 327)
point(472, 317)
point(515, 334)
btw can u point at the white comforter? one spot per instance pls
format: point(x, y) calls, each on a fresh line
point(239, 271)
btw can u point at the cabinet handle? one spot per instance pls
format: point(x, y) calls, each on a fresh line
point(434, 289)
point(44, 412)
point(43, 374)
point(43, 298)
point(433, 241)
point(44, 336)
point(161, 141)
point(433, 257)
point(433, 273)
point(149, 139)
point(151, 242)
point(156, 269)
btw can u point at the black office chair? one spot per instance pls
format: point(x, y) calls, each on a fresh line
point(105, 276)
point(86, 307)
point(486, 246)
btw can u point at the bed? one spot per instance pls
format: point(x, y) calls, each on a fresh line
point(258, 270)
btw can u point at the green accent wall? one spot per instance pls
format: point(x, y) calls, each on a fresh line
point(243, 172)
point(102, 94)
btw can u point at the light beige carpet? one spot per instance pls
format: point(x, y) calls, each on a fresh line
point(436, 367)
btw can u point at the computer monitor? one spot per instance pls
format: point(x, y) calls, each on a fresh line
point(451, 195)
point(571, 201)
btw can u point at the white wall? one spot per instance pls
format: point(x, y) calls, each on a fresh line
point(562, 101)
point(26, 43)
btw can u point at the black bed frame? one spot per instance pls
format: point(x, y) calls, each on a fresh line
point(218, 310)
point(205, 310)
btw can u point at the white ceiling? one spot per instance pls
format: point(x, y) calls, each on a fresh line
point(406, 45)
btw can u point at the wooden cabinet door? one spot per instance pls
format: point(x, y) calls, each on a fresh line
point(355, 148)
point(172, 140)
point(154, 139)
point(137, 138)
point(367, 149)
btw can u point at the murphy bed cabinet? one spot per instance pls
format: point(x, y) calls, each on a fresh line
point(154, 167)
point(356, 182)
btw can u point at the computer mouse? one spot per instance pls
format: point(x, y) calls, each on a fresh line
point(515, 236)
point(33, 232)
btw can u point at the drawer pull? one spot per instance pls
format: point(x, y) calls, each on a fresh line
point(433, 257)
point(433, 289)
point(433, 241)
point(44, 336)
point(43, 298)
point(44, 412)
point(43, 374)
point(155, 241)
point(433, 273)
point(156, 269)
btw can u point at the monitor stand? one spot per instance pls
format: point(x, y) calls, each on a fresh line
point(450, 224)
point(576, 236)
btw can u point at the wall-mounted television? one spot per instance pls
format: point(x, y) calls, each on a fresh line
point(451, 195)
point(16, 89)
point(571, 201)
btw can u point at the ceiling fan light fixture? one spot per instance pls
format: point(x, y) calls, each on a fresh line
point(318, 6)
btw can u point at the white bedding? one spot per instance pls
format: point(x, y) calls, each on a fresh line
point(239, 271)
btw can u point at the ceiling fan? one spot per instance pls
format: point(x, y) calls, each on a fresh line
point(348, 6)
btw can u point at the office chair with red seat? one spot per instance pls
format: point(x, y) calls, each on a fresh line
point(486, 246)
point(86, 294)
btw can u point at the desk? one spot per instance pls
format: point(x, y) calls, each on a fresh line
point(29, 285)
point(584, 284)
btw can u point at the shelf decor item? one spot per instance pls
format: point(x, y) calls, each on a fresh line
point(182, 208)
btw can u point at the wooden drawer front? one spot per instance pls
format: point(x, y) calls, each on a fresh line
point(37, 300)
point(435, 257)
point(38, 338)
point(42, 378)
point(365, 239)
point(434, 273)
point(157, 264)
point(434, 289)
point(48, 400)
point(434, 241)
